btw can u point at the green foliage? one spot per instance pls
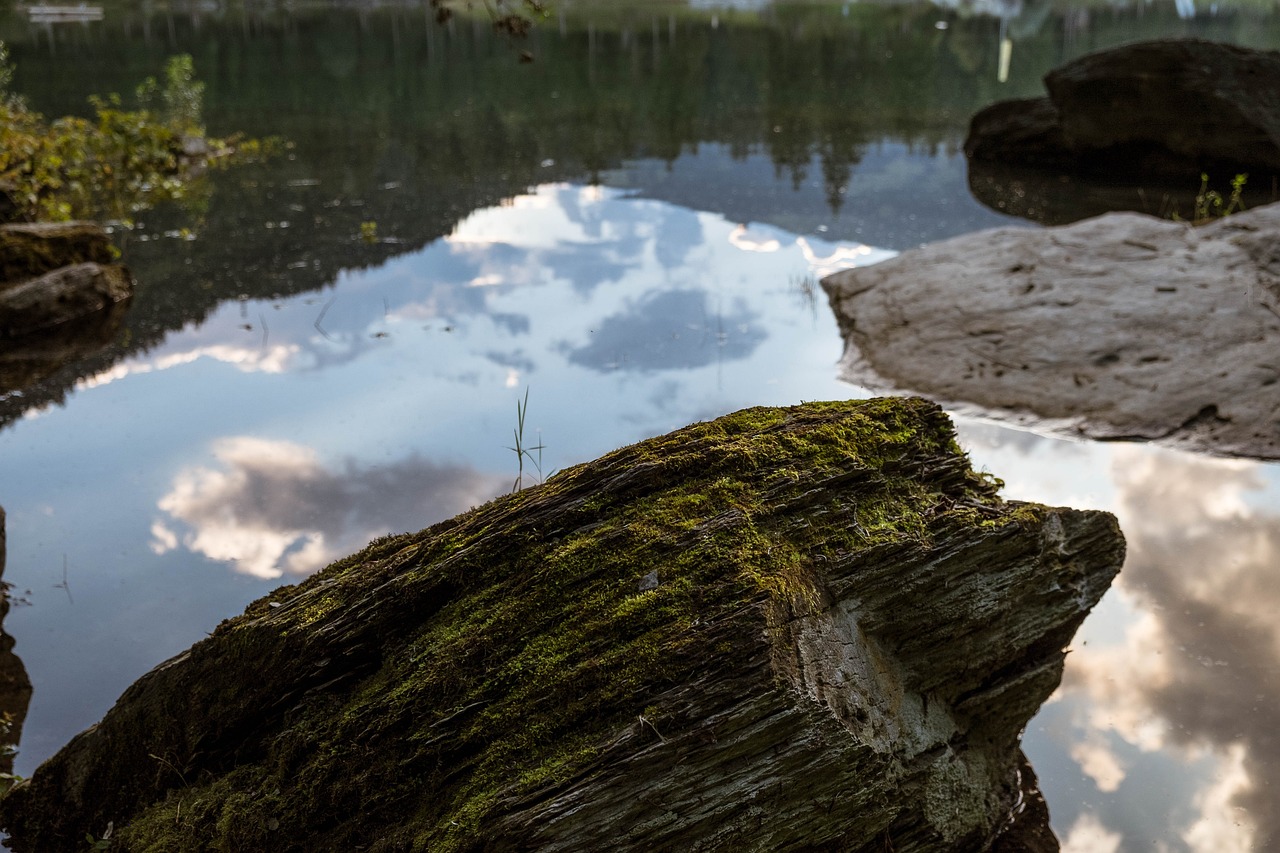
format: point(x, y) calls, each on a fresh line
point(7, 748)
point(103, 843)
point(521, 450)
point(1210, 204)
point(117, 163)
point(179, 103)
point(6, 70)
point(369, 232)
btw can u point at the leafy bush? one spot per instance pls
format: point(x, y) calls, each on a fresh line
point(115, 164)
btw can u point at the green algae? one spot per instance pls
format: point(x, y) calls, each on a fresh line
point(522, 640)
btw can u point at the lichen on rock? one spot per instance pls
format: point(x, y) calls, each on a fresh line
point(847, 632)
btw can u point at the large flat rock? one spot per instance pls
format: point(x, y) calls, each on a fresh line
point(1119, 327)
point(812, 628)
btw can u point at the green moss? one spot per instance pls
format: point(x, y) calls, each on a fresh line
point(531, 642)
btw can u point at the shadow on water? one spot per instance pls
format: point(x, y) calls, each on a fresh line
point(15, 686)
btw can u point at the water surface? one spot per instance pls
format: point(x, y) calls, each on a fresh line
point(629, 231)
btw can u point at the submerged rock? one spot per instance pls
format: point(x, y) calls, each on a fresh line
point(1160, 109)
point(54, 273)
point(1119, 327)
point(786, 629)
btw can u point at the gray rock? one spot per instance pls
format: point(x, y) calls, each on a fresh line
point(1161, 109)
point(15, 685)
point(850, 633)
point(1119, 327)
point(60, 296)
point(30, 249)
point(54, 273)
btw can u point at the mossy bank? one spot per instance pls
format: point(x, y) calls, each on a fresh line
point(802, 628)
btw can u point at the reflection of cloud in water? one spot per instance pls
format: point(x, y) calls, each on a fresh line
point(1099, 762)
point(679, 233)
point(1201, 669)
point(1088, 835)
point(740, 238)
point(839, 257)
point(977, 433)
point(275, 359)
point(275, 508)
point(669, 330)
point(517, 360)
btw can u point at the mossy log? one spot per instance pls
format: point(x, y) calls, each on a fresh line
point(811, 628)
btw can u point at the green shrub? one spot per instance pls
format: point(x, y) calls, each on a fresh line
point(117, 163)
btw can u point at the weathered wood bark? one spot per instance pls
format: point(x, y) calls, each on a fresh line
point(1119, 327)
point(788, 629)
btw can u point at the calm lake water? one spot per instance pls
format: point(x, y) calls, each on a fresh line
point(629, 231)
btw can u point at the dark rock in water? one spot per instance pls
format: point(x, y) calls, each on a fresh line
point(61, 296)
point(1167, 109)
point(1027, 131)
point(32, 249)
point(15, 685)
point(786, 629)
point(53, 273)
point(27, 360)
point(1060, 197)
point(1120, 327)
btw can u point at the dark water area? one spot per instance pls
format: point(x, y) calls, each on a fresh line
point(629, 229)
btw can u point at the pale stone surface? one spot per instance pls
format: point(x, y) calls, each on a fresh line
point(1119, 327)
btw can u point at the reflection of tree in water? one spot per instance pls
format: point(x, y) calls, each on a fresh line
point(412, 125)
point(1202, 668)
point(15, 686)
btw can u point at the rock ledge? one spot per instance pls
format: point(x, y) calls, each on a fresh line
point(787, 629)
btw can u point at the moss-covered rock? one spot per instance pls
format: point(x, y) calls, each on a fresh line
point(786, 629)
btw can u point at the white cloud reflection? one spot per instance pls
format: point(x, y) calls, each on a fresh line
point(1088, 835)
point(273, 507)
point(1099, 762)
point(1198, 672)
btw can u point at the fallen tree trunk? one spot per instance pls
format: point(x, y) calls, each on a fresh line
point(787, 629)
